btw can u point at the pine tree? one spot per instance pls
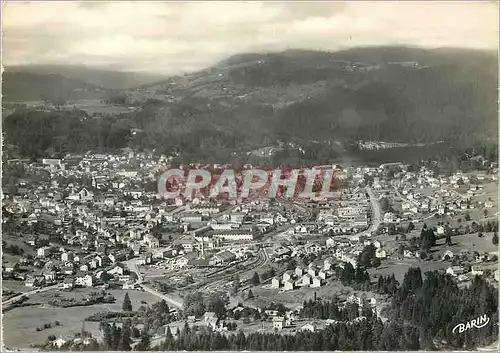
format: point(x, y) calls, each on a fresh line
point(250, 294)
point(107, 335)
point(255, 279)
point(127, 304)
point(144, 344)
point(168, 339)
point(125, 339)
point(376, 262)
point(236, 284)
point(495, 238)
point(163, 307)
point(115, 335)
point(105, 277)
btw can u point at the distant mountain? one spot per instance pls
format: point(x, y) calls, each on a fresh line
point(108, 79)
point(379, 93)
point(22, 86)
point(376, 93)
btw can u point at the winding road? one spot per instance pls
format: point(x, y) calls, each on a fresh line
point(31, 292)
point(132, 266)
point(170, 301)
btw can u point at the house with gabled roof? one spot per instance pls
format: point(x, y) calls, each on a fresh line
point(68, 283)
point(224, 257)
point(316, 282)
point(306, 279)
point(299, 271)
point(35, 281)
point(288, 275)
point(84, 279)
point(278, 323)
point(308, 327)
point(288, 285)
point(275, 282)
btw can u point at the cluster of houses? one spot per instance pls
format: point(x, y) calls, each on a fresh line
point(342, 249)
point(313, 277)
point(75, 269)
point(99, 201)
point(464, 274)
point(379, 145)
point(422, 193)
point(289, 319)
point(175, 258)
point(99, 207)
point(349, 214)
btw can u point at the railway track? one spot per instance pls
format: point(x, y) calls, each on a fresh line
point(263, 258)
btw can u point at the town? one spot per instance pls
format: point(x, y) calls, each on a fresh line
point(92, 232)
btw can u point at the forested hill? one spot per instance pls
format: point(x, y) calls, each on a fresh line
point(393, 94)
point(23, 86)
point(252, 100)
point(105, 78)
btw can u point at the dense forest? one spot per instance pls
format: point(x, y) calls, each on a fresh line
point(27, 86)
point(96, 77)
point(422, 314)
point(322, 101)
point(364, 335)
point(436, 305)
point(38, 134)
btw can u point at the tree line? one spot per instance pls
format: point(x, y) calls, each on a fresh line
point(436, 305)
point(422, 313)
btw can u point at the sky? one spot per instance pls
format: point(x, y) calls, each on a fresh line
point(175, 37)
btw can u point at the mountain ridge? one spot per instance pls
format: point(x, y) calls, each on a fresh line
point(105, 78)
point(372, 94)
point(24, 86)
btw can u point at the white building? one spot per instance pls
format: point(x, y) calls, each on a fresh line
point(44, 251)
point(278, 323)
point(67, 256)
point(455, 270)
point(84, 280)
point(275, 283)
point(380, 253)
point(288, 285)
point(308, 327)
point(233, 235)
point(316, 282)
point(151, 241)
point(306, 279)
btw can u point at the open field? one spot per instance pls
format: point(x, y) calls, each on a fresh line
point(20, 324)
point(12, 239)
point(470, 242)
point(489, 193)
point(9, 287)
point(264, 295)
point(460, 243)
point(399, 268)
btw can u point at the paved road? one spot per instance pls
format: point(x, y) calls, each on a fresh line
point(376, 213)
point(132, 266)
point(169, 299)
point(27, 294)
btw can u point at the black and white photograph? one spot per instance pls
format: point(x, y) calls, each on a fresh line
point(249, 176)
